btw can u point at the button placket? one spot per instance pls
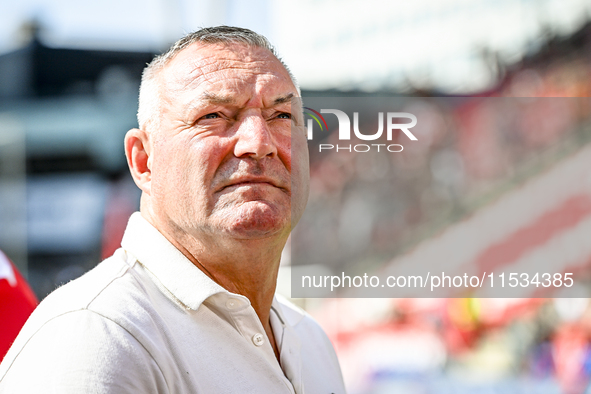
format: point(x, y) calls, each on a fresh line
point(291, 358)
point(232, 303)
point(249, 325)
point(258, 339)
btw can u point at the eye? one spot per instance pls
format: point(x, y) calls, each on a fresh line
point(284, 115)
point(213, 115)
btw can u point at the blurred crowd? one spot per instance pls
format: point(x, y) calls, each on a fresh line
point(472, 151)
point(374, 205)
point(462, 345)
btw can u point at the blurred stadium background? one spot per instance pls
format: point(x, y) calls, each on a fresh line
point(69, 73)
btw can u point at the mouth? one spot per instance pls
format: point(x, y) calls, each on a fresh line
point(247, 184)
point(251, 182)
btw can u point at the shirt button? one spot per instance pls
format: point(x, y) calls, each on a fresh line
point(231, 303)
point(258, 339)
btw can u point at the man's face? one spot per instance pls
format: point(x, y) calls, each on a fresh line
point(225, 159)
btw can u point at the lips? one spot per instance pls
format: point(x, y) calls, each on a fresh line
point(239, 184)
point(251, 181)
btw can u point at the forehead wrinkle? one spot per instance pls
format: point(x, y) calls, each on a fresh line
point(202, 69)
point(237, 94)
point(193, 64)
point(189, 74)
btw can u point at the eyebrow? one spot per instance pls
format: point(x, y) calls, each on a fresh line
point(214, 98)
point(209, 98)
point(283, 99)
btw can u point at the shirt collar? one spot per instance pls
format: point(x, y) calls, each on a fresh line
point(176, 273)
point(288, 314)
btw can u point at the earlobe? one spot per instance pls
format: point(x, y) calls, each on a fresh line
point(138, 153)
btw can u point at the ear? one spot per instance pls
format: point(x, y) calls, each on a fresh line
point(139, 159)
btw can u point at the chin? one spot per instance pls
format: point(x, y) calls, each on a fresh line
point(256, 220)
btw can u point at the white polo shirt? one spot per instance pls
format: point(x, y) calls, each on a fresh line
point(146, 320)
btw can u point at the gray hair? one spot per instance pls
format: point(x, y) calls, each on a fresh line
point(149, 98)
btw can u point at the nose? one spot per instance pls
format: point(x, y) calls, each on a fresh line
point(254, 138)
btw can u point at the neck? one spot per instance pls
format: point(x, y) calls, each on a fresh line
point(243, 266)
point(246, 267)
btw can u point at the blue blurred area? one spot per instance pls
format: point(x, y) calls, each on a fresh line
point(66, 112)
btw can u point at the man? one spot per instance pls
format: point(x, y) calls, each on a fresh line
point(187, 304)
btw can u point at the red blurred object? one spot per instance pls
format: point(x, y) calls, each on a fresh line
point(569, 348)
point(121, 203)
point(17, 302)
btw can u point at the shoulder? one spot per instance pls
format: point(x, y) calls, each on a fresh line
point(67, 303)
point(80, 351)
point(114, 290)
point(86, 325)
point(81, 293)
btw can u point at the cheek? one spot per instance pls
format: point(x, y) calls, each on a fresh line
point(298, 159)
point(300, 177)
point(171, 172)
point(191, 170)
